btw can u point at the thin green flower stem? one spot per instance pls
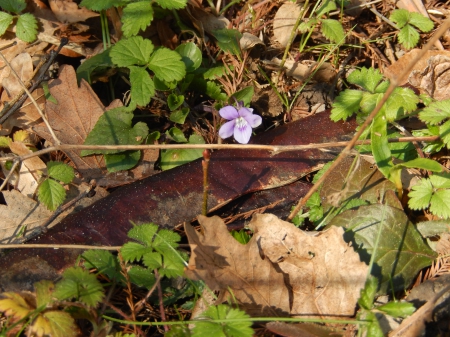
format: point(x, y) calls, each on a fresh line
point(347, 150)
point(238, 320)
point(274, 149)
point(292, 37)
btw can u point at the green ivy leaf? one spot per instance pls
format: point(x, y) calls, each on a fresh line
point(398, 309)
point(174, 101)
point(366, 78)
point(346, 104)
point(228, 40)
point(122, 161)
point(241, 328)
point(333, 30)
point(167, 65)
point(5, 20)
point(114, 128)
point(101, 5)
point(191, 55)
point(60, 171)
point(26, 27)
point(51, 194)
point(13, 6)
point(179, 116)
point(408, 36)
point(132, 51)
point(421, 22)
point(136, 16)
point(142, 86)
point(79, 284)
point(172, 4)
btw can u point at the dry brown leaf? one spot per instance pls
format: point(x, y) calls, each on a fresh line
point(68, 11)
point(281, 267)
point(23, 66)
point(284, 22)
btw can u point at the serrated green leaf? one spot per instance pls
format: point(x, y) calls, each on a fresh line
point(408, 37)
point(44, 293)
point(421, 22)
point(333, 30)
point(136, 16)
point(179, 116)
point(420, 195)
point(105, 263)
point(172, 4)
point(144, 233)
point(122, 161)
point(215, 91)
point(176, 135)
point(369, 101)
point(444, 133)
point(214, 73)
point(398, 309)
point(26, 27)
point(174, 158)
point(223, 312)
point(60, 171)
point(327, 6)
point(307, 26)
point(191, 55)
point(165, 240)
point(439, 204)
point(142, 86)
point(61, 323)
point(152, 260)
point(346, 104)
point(132, 51)
point(101, 5)
point(167, 65)
point(174, 101)
point(372, 329)
point(13, 6)
point(245, 95)
point(79, 284)
point(436, 112)
point(366, 78)
point(114, 128)
point(401, 251)
point(51, 194)
point(401, 101)
point(401, 17)
point(228, 40)
point(142, 277)
point(5, 20)
point(368, 293)
point(94, 66)
point(132, 251)
point(173, 266)
point(382, 87)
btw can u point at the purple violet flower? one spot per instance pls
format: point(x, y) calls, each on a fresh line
point(241, 122)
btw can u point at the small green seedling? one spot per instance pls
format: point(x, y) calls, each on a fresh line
point(409, 23)
point(26, 24)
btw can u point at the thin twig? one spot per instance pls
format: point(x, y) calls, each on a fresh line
point(353, 142)
point(46, 246)
point(160, 296)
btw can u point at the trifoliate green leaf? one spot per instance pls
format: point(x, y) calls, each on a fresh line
point(421, 22)
point(61, 323)
point(327, 6)
point(408, 36)
point(191, 55)
point(401, 17)
point(223, 312)
point(132, 51)
point(144, 233)
point(5, 20)
point(398, 309)
point(228, 40)
point(369, 101)
point(436, 112)
point(105, 263)
point(142, 86)
point(172, 4)
point(79, 284)
point(136, 16)
point(179, 116)
point(122, 161)
point(333, 30)
point(402, 101)
point(13, 6)
point(167, 65)
point(366, 78)
point(132, 251)
point(101, 5)
point(173, 265)
point(368, 293)
point(165, 240)
point(346, 104)
point(60, 171)
point(51, 194)
point(440, 180)
point(114, 128)
point(26, 27)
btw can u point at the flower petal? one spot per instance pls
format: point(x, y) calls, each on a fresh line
point(227, 129)
point(244, 112)
point(242, 135)
point(253, 120)
point(229, 112)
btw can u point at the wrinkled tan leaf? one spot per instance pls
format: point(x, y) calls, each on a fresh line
point(68, 11)
point(34, 164)
point(304, 69)
point(280, 267)
point(23, 66)
point(284, 22)
point(222, 262)
point(248, 41)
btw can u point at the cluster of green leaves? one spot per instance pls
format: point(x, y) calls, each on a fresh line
point(26, 24)
point(51, 192)
point(408, 23)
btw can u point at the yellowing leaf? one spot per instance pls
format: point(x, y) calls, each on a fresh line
point(14, 305)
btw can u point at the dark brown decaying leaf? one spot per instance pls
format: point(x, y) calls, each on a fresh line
point(282, 267)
